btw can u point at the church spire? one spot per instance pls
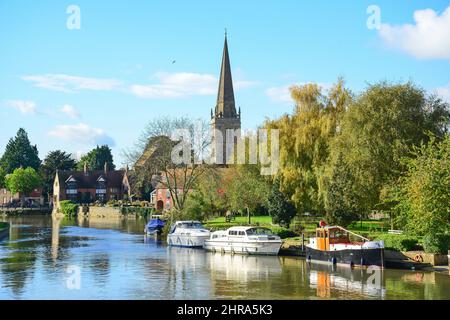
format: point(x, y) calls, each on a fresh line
point(225, 106)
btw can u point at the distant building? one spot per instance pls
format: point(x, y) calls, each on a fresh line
point(161, 199)
point(224, 117)
point(34, 198)
point(90, 186)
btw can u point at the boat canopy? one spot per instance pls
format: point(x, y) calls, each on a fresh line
point(155, 223)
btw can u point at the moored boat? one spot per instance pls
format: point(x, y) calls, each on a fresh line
point(154, 227)
point(244, 240)
point(332, 245)
point(190, 234)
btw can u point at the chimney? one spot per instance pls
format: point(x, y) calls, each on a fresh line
point(85, 168)
point(106, 167)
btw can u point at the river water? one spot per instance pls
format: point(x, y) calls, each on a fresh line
point(46, 258)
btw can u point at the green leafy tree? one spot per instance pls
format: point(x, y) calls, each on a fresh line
point(342, 201)
point(248, 189)
point(209, 196)
point(279, 206)
point(20, 153)
point(380, 128)
point(97, 158)
point(55, 160)
point(423, 196)
point(2, 177)
point(23, 181)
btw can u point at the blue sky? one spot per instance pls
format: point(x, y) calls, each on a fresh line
point(72, 89)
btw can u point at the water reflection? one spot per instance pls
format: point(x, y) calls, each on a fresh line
point(330, 281)
point(117, 262)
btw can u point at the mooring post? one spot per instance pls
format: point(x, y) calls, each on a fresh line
point(303, 242)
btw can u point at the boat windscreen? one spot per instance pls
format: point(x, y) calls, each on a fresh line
point(259, 232)
point(191, 225)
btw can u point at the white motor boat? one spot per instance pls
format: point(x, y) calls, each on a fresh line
point(190, 234)
point(244, 240)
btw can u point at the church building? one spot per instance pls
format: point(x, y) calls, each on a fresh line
point(224, 117)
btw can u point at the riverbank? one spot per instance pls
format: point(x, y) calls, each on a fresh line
point(25, 211)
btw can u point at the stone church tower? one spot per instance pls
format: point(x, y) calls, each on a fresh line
point(224, 116)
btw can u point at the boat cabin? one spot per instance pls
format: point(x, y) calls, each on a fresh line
point(248, 231)
point(327, 236)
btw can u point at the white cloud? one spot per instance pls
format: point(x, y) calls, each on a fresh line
point(279, 94)
point(70, 111)
point(177, 85)
point(82, 133)
point(168, 85)
point(444, 93)
point(68, 84)
point(25, 107)
point(428, 38)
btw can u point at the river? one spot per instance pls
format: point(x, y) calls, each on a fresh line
point(46, 258)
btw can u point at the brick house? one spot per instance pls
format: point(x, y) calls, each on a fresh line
point(161, 199)
point(90, 186)
point(34, 198)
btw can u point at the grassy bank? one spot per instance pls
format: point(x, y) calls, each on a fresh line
point(263, 221)
point(371, 229)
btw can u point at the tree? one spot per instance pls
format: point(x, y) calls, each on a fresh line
point(423, 195)
point(55, 160)
point(96, 159)
point(304, 141)
point(20, 153)
point(2, 177)
point(279, 206)
point(379, 129)
point(22, 181)
point(248, 189)
point(342, 203)
point(210, 196)
point(171, 152)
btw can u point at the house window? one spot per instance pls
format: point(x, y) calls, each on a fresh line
point(71, 190)
point(114, 190)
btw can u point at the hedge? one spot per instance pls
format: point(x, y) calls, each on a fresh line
point(398, 242)
point(436, 243)
point(68, 208)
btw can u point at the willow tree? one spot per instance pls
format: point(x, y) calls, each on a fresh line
point(305, 139)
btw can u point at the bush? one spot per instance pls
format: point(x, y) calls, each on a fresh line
point(284, 233)
point(398, 242)
point(68, 208)
point(436, 243)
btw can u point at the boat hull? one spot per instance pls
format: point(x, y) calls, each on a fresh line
point(187, 241)
point(250, 248)
point(350, 257)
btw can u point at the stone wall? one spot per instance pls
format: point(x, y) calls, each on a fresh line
point(99, 212)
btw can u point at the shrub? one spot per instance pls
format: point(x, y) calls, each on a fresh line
point(284, 233)
point(398, 242)
point(68, 208)
point(436, 243)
